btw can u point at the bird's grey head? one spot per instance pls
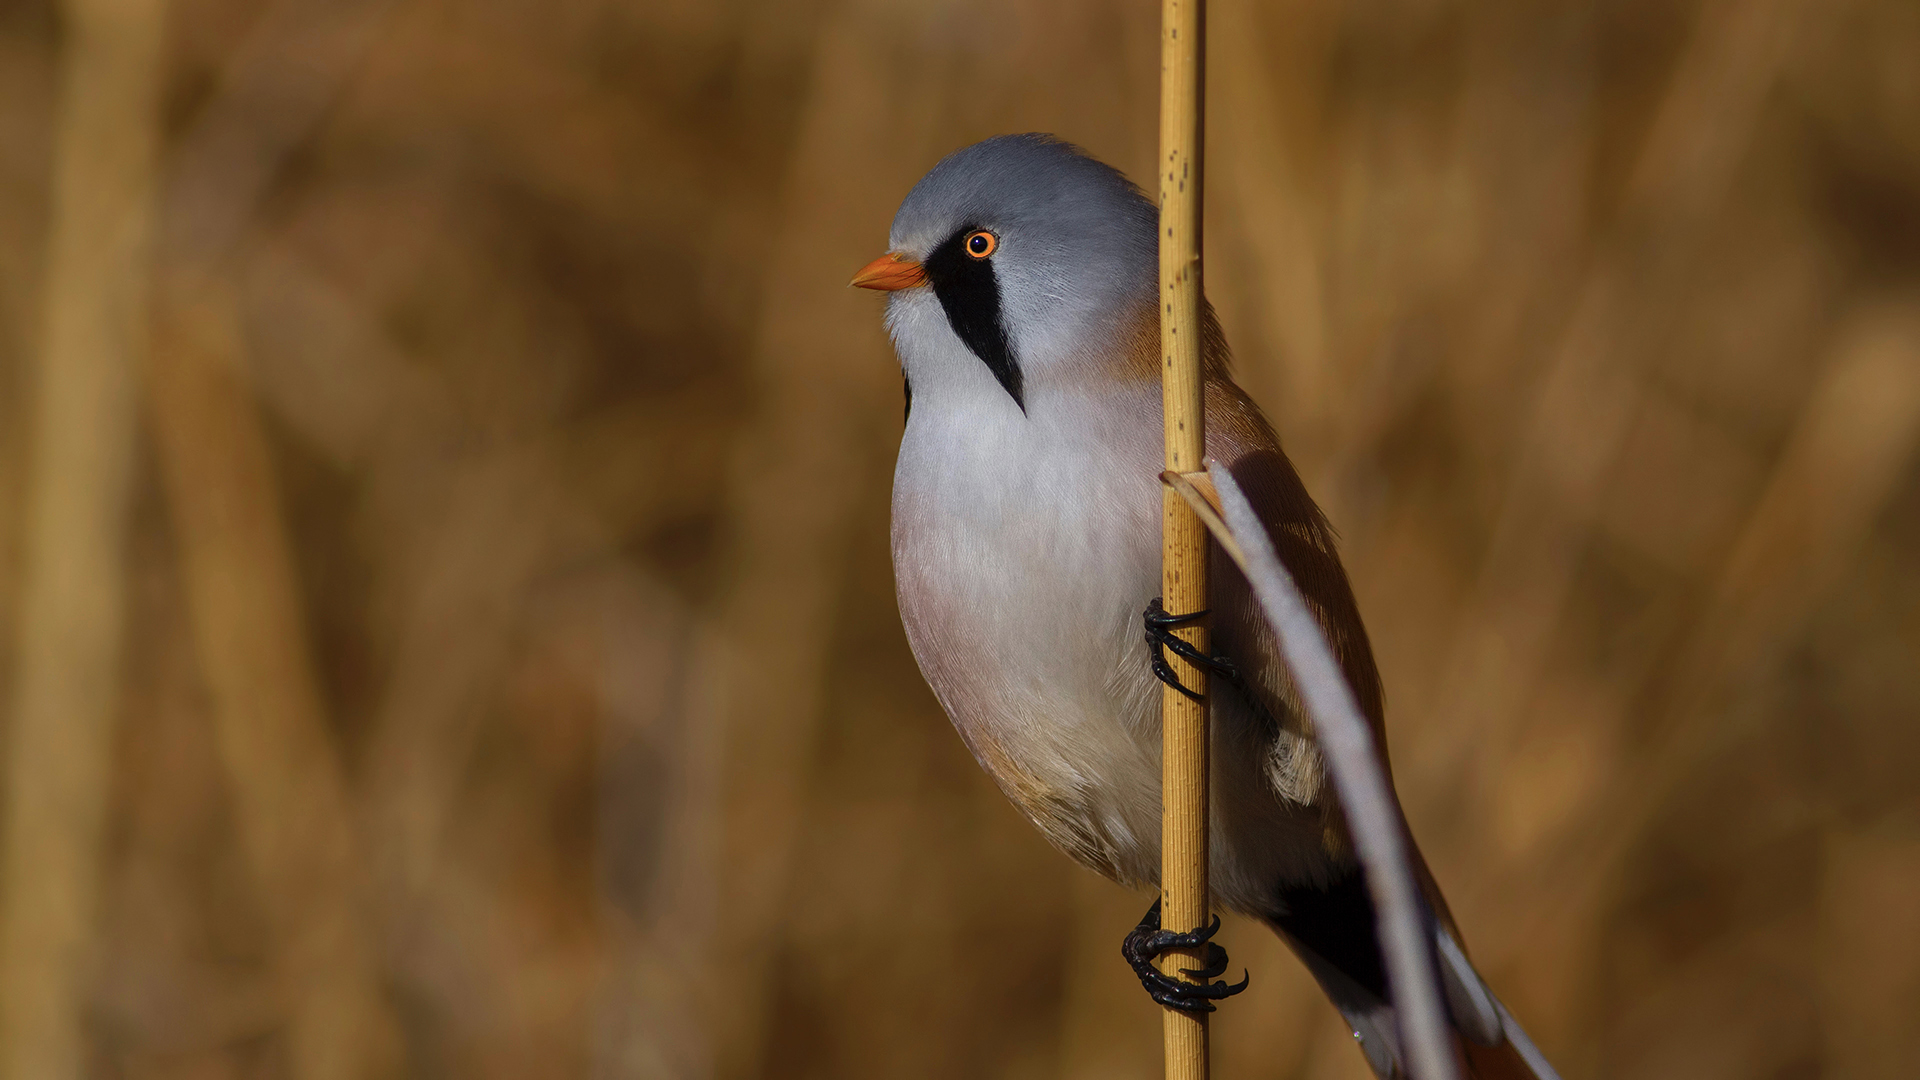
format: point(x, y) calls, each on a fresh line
point(1012, 262)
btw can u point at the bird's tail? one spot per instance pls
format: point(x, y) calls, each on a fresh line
point(1490, 1043)
point(1332, 931)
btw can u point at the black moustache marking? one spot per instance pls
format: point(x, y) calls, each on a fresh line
point(970, 294)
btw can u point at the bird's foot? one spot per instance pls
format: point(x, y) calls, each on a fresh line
point(1160, 624)
point(1147, 942)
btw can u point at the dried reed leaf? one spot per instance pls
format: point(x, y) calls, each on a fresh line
point(72, 607)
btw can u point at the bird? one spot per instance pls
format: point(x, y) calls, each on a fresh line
point(1021, 276)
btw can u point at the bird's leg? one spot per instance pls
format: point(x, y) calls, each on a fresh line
point(1160, 625)
point(1148, 941)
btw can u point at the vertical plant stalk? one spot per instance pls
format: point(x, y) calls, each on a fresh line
point(1183, 566)
point(236, 558)
point(72, 612)
point(249, 629)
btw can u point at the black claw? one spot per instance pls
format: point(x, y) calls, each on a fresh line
point(1160, 624)
point(1216, 964)
point(1148, 941)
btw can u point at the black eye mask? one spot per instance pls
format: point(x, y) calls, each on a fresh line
point(970, 294)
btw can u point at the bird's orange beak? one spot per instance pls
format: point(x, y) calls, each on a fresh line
point(889, 273)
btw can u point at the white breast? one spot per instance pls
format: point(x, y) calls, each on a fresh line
point(1025, 547)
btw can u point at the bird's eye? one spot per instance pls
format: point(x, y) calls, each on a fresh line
point(981, 244)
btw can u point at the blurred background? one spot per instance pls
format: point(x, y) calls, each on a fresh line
point(443, 508)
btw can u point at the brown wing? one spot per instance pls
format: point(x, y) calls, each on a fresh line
point(1239, 437)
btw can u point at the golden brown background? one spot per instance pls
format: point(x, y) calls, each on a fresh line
point(443, 497)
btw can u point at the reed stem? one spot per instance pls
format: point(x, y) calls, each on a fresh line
point(1183, 785)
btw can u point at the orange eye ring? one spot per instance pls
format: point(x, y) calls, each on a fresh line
point(980, 244)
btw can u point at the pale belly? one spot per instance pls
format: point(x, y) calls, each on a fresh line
point(1023, 559)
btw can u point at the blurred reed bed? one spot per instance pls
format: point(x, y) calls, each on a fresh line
point(443, 527)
